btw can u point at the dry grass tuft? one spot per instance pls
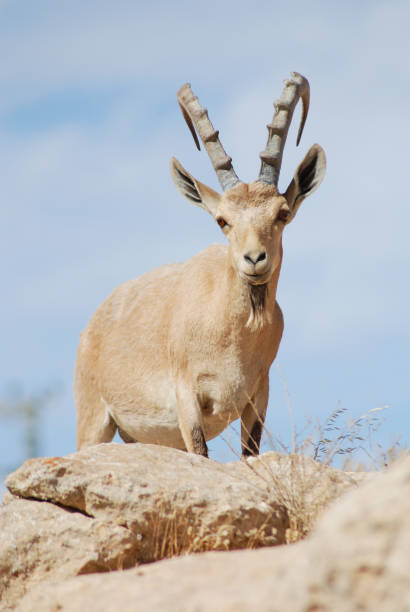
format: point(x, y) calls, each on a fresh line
point(172, 532)
point(307, 482)
point(299, 477)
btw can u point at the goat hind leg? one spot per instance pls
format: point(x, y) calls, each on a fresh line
point(94, 423)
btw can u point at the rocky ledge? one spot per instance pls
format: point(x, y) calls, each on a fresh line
point(114, 506)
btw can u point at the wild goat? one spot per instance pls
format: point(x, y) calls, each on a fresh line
point(176, 355)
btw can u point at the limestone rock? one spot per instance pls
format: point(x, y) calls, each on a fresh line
point(40, 541)
point(361, 547)
point(304, 486)
point(236, 581)
point(116, 505)
point(358, 558)
point(171, 500)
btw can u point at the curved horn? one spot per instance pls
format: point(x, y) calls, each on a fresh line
point(197, 119)
point(296, 87)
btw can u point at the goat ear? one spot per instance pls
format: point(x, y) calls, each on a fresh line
point(194, 190)
point(307, 178)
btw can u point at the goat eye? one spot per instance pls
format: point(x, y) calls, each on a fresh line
point(221, 222)
point(283, 215)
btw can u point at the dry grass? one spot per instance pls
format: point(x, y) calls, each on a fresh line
point(310, 481)
point(173, 532)
point(340, 441)
point(298, 476)
point(291, 485)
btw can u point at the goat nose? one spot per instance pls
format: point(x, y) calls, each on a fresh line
point(254, 258)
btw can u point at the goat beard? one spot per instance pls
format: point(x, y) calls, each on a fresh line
point(258, 315)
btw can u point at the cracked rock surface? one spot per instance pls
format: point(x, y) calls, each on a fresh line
point(153, 490)
point(357, 559)
point(40, 541)
point(114, 506)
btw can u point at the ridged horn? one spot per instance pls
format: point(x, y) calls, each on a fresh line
point(198, 121)
point(296, 87)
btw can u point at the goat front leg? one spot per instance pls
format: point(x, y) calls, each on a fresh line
point(190, 420)
point(252, 420)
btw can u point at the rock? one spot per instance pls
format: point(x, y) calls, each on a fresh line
point(234, 581)
point(303, 486)
point(157, 491)
point(171, 500)
point(357, 558)
point(119, 505)
point(361, 547)
point(40, 541)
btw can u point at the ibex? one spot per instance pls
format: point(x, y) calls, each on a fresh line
point(176, 355)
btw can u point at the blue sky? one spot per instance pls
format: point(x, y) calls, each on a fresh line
point(88, 123)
